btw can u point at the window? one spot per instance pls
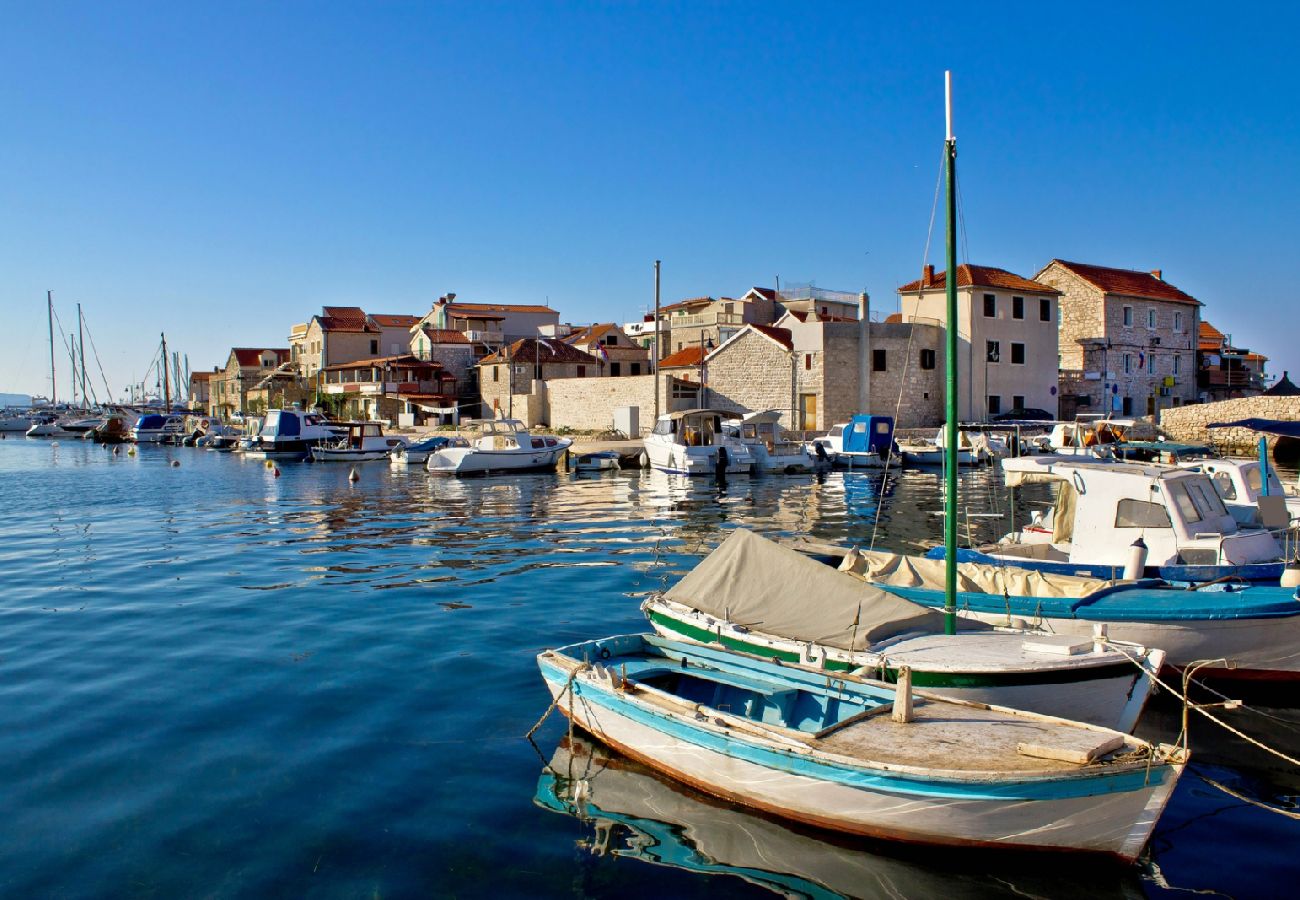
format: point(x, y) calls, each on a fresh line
point(992, 351)
point(927, 359)
point(878, 360)
point(1017, 307)
point(636, 368)
point(1177, 364)
point(1178, 322)
point(609, 340)
point(374, 348)
point(1045, 310)
point(1151, 319)
point(1223, 484)
point(1017, 354)
point(807, 361)
point(1128, 363)
point(995, 404)
point(990, 306)
point(1127, 406)
point(615, 369)
point(496, 373)
point(1128, 317)
point(1140, 514)
point(582, 371)
point(664, 426)
point(1018, 401)
point(1151, 364)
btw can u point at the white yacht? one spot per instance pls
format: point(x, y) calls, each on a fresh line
point(364, 441)
point(500, 445)
point(761, 432)
point(693, 442)
point(15, 420)
point(291, 433)
point(153, 428)
point(45, 426)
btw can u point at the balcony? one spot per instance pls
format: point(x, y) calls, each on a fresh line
point(703, 320)
point(485, 337)
point(1229, 378)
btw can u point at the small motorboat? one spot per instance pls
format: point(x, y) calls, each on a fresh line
point(363, 442)
point(863, 442)
point(290, 434)
point(112, 430)
point(862, 757)
point(761, 432)
point(418, 454)
point(501, 446)
point(153, 428)
point(600, 461)
point(45, 426)
point(694, 442)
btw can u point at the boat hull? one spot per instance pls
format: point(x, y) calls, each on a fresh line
point(327, 454)
point(781, 782)
point(678, 460)
point(1268, 572)
point(474, 461)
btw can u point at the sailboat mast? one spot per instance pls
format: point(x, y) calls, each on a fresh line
point(81, 343)
point(950, 444)
point(54, 388)
point(167, 383)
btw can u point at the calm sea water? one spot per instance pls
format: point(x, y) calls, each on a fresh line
point(216, 682)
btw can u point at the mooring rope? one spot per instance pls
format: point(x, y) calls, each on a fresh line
point(568, 686)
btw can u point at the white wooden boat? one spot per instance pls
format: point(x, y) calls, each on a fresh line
point(753, 595)
point(600, 461)
point(500, 445)
point(693, 442)
point(1241, 488)
point(761, 432)
point(826, 751)
point(362, 442)
point(418, 453)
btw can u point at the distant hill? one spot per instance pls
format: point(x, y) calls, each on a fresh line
point(15, 400)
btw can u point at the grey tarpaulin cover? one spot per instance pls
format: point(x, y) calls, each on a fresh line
point(752, 581)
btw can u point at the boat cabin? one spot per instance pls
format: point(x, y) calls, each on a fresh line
point(508, 434)
point(694, 427)
point(1240, 484)
point(1102, 508)
point(869, 434)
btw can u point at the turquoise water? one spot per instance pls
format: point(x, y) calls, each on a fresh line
point(218, 682)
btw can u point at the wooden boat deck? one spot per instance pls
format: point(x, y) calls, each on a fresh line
point(950, 736)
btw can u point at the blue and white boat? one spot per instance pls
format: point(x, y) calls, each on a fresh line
point(153, 428)
point(418, 453)
point(291, 434)
point(863, 442)
point(842, 754)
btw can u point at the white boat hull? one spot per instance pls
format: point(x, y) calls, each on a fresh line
point(329, 454)
point(475, 461)
point(1116, 823)
point(679, 460)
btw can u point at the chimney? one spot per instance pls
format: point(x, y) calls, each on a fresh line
point(928, 278)
point(1156, 273)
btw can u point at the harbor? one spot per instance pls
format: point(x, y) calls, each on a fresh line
point(330, 680)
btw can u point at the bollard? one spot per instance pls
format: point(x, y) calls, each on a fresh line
point(903, 696)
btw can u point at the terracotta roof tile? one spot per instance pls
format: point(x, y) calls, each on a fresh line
point(387, 320)
point(686, 304)
point(682, 359)
point(978, 276)
point(251, 357)
point(471, 308)
point(444, 335)
point(781, 335)
point(1128, 282)
point(527, 350)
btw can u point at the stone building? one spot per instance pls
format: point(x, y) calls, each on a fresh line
point(512, 381)
point(199, 393)
point(617, 352)
point(1224, 371)
point(1007, 355)
point(1128, 339)
point(397, 389)
point(347, 333)
point(245, 370)
point(488, 326)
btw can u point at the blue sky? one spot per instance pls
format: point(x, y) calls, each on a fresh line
point(222, 171)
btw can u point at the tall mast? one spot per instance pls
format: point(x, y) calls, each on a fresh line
point(655, 355)
point(950, 444)
point(167, 383)
point(81, 351)
point(54, 388)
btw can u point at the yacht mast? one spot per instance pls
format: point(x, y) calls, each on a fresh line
point(81, 332)
point(950, 444)
point(54, 388)
point(167, 383)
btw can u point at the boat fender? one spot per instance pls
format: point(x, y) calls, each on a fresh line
point(276, 471)
point(175, 463)
point(270, 464)
point(353, 476)
point(821, 452)
point(723, 460)
point(1291, 577)
point(54, 443)
point(130, 451)
point(1137, 560)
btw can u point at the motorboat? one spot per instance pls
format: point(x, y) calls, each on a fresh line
point(1240, 484)
point(363, 442)
point(500, 446)
point(693, 442)
point(761, 432)
point(862, 757)
point(597, 461)
point(751, 594)
point(45, 426)
point(418, 453)
point(248, 441)
point(153, 428)
point(864, 442)
point(112, 430)
point(1103, 508)
point(291, 433)
point(15, 420)
point(80, 425)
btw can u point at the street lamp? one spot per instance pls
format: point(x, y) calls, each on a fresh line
point(705, 348)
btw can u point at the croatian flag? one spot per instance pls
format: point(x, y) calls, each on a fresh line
point(602, 353)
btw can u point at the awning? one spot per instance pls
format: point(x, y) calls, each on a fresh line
point(1266, 426)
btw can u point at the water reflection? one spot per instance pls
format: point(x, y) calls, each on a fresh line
point(631, 812)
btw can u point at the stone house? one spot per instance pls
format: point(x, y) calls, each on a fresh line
point(512, 381)
point(245, 370)
point(1224, 371)
point(452, 350)
point(345, 334)
point(1128, 339)
point(199, 393)
point(1008, 354)
point(488, 326)
point(401, 389)
point(699, 320)
point(618, 353)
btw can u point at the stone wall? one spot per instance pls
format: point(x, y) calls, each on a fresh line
point(588, 404)
point(916, 394)
point(1188, 423)
point(752, 373)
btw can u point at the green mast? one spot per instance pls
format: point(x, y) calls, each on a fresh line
point(950, 442)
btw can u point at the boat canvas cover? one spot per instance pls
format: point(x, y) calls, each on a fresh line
point(899, 570)
point(752, 581)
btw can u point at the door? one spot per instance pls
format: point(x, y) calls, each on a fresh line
point(808, 412)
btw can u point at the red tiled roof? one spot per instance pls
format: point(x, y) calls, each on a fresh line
point(978, 276)
point(458, 312)
point(682, 359)
point(589, 334)
point(528, 350)
point(251, 357)
point(471, 308)
point(781, 335)
point(894, 319)
point(444, 335)
point(343, 318)
point(1128, 282)
point(686, 304)
point(404, 360)
point(769, 293)
point(200, 376)
point(386, 320)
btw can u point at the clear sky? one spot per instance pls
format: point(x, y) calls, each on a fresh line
point(221, 171)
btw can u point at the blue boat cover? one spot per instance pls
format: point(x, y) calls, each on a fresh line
point(867, 434)
point(150, 421)
point(1267, 426)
